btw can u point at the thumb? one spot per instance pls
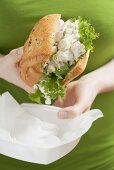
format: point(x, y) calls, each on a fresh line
point(16, 54)
point(58, 102)
point(73, 111)
point(26, 87)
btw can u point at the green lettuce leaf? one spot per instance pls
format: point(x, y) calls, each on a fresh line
point(87, 34)
point(37, 96)
point(73, 19)
point(52, 86)
point(61, 73)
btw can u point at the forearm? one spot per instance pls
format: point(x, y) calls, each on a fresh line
point(104, 77)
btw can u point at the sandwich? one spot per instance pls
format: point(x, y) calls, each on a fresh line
point(55, 53)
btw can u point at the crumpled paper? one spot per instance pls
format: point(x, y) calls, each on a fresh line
point(34, 126)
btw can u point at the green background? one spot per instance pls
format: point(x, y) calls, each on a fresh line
point(96, 149)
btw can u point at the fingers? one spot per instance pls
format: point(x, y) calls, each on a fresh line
point(10, 63)
point(69, 112)
point(73, 111)
point(16, 54)
point(25, 87)
point(59, 102)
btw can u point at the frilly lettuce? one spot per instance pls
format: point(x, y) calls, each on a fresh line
point(53, 88)
point(87, 34)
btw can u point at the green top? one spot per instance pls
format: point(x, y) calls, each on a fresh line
point(96, 149)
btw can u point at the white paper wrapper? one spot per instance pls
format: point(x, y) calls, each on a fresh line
point(34, 133)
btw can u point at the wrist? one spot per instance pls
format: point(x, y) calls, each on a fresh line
point(103, 78)
point(93, 80)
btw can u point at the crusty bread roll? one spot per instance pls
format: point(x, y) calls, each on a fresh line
point(77, 69)
point(38, 50)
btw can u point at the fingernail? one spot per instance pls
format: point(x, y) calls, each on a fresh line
point(62, 114)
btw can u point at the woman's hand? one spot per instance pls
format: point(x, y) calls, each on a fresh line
point(9, 69)
point(79, 97)
point(80, 94)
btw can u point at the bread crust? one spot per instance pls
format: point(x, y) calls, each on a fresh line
point(38, 48)
point(77, 69)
